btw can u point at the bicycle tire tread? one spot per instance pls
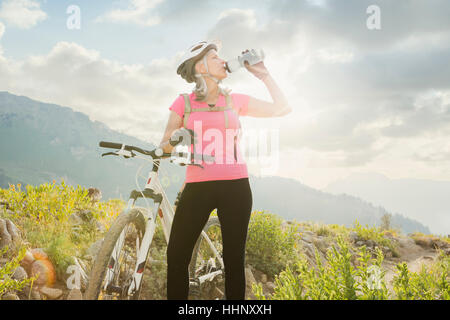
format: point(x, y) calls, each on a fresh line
point(104, 254)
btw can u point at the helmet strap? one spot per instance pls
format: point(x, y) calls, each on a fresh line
point(207, 74)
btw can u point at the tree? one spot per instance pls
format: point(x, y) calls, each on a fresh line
point(386, 221)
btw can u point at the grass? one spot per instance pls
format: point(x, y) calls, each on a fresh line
point(42, 215)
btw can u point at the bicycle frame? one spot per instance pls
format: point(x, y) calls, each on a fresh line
point(165, 212)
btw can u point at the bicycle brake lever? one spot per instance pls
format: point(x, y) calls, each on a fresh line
point(124, 153)
point(109, 153)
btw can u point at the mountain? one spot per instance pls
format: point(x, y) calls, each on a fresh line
point(295, 200)
point(42, 142)
point(424, 200)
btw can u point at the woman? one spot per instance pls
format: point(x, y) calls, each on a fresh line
point(221, 184)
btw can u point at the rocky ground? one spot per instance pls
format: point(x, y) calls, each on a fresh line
point(415, 252)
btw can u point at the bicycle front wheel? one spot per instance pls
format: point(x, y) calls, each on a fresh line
point(117, 258)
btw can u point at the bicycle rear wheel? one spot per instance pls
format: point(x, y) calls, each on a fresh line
point(131, 226)
point(205, 261)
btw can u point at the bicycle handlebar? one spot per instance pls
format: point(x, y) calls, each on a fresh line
point(156, 153)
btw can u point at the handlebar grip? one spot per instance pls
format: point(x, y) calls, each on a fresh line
point(180, 134)
point(173, 143)
point(112, 145)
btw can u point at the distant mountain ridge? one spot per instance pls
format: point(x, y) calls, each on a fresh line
point(44, 142)
point(426, 200)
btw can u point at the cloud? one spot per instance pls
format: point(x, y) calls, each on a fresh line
point(23, 14)
point(140, 12)
point(132, 98)
point(346, 21)
point(430, 113)
point(2, 29)
point(354, 91)
point(252, 33)
point(357, 94)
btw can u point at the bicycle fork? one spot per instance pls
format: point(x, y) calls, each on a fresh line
point(142, 251)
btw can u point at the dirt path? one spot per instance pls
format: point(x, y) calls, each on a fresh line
point(415, 256)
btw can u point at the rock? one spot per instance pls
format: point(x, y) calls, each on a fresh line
point(353, 236)
point(249, 280)
point(75, 219)
point(100, 226)
point(321, 243)
point(387, 252)
point(39, 254)
point(370, 243)
point(29, 294)
point(35, 295)
point(75, 294)
point(388, 234)
point(10, 296)
point(95, 194)
point(27, 261)
point(406, 242)
point(13, 231)
point(3, 261)
point(307, 238)
point(5, 237)
point(270, 286)
point(19, 274)
point(45, 271)
point(441, 244)
point(86, 215)
point(263, 278)
point(308, 250)
point(51, 293)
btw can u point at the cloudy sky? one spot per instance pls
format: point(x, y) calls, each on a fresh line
point(364, 99)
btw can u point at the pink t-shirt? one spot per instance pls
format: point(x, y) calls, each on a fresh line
point(214, 140)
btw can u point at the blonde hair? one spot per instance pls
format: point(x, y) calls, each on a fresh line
point(188, 73)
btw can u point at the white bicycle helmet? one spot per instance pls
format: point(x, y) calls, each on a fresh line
point(190, 55)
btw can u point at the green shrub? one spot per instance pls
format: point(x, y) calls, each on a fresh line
point(325, 230)
point(375, 234)
point(270, 247)
point(42, 214)
point(338, 279)
point(7, 284)
point(430, 283)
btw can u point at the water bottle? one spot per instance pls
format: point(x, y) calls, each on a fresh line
point(252, 57)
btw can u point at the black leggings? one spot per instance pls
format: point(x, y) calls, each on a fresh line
point(233, 200)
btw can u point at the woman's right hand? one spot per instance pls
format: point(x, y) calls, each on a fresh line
point(183, 136)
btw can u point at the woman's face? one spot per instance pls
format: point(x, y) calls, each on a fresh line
point(216, 65)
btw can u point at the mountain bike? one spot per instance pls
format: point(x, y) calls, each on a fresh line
point(118, 269)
